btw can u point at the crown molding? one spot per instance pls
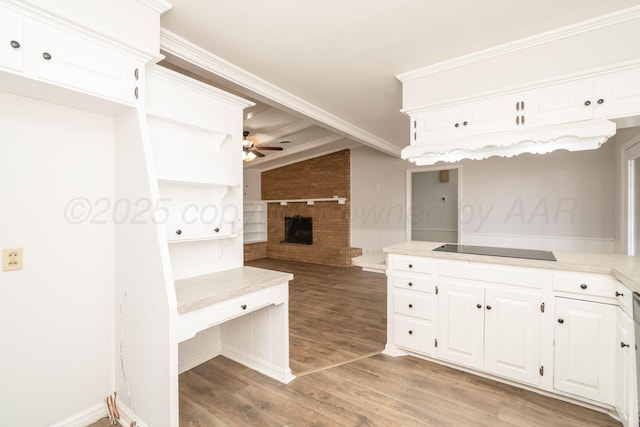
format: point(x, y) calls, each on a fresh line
point(176, 46)
point(160, 6)
point(538, 39)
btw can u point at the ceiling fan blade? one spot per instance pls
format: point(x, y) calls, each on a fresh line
point(257, 153)
point(269, 148)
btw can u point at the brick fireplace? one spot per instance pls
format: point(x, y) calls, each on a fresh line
point(323, 177)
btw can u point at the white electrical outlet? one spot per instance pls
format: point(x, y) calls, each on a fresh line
point(11, 259)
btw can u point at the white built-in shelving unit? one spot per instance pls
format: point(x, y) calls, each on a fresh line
point(255, 221)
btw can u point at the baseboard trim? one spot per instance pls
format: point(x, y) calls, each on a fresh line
point(84, 418)
point(265, 368)
point(127, 416)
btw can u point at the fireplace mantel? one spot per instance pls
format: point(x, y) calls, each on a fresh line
point(340, 200)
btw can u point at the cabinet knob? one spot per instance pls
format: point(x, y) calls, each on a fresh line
point(583, 286)
point(479, 305)
point(410, 265)
point(587, 103)
point(15, 44)
point(488, 307)
point(217, 230)
point(560, 321)
point(623, 345)
point(243, 306)
point(457, 125)
point(178, 232)
point(410, 305)
point(619, 294)
point(46, 55)
point(600, 101)
point(465, 123)
point(410, 283)
point(410, 332)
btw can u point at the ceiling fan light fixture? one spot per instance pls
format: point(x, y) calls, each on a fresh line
point(247, 156)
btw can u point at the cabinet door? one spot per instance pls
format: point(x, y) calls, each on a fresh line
point(584, 354)
point(512, 334)
point(617, 96)
point(433, 126)
point(625, 369)
point(496, 114)
point(559, 104)
point(68, 60)
point(461, 323)
point(11, 40)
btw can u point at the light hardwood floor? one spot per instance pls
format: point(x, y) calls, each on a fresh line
point(337, 329)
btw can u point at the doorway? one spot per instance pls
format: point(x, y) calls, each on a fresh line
point(632, 160)
point(432, 204)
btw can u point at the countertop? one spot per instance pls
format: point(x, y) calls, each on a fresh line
point(624, 268)
point(198, 292)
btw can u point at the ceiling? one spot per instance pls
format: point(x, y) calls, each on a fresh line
point(322, 72)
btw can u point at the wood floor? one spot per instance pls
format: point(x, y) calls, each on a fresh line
point(337, 323)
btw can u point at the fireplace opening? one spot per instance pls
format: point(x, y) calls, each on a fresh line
point(298, 229)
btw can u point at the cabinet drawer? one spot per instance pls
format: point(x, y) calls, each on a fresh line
point(413, 304)
point(514, 276)
point(587, 284)
point(412, 263)
point(414, 335)
point(414, 282)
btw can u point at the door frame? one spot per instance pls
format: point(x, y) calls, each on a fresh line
point(630, 153)
point(409, 187)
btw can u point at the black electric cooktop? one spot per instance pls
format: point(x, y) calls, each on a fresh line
point(503, 252)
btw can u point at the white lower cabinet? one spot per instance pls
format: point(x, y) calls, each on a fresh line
point(491, 318)
point(492, 329)
point(584, 353)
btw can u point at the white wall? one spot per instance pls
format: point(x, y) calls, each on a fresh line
point(561, 200)
point(434, 206)
point(57, 314)
point(378, 199)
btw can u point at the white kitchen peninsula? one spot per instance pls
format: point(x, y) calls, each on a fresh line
point(562, 328)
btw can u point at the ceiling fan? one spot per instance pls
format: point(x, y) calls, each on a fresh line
point(250, 149)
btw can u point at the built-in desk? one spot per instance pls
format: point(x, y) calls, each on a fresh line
point(251, 306)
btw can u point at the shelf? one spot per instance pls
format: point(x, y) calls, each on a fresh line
point(203, 239)
point(340, 200)
point(196, 183)
point(246, 242)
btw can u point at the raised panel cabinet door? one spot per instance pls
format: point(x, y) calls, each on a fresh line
point(567, 103)
point(584, 353)
point(512, 334)
point(64, 58)
point(625, 369)
point(435, 126)
point(12, 44)
point(617, 96)
point(492, 115)
point(461, 323)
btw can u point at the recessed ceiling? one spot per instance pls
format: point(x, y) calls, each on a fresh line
point(342, 56)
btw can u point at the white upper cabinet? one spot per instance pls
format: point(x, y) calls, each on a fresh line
point(617, 95)
point(61, 57)
point(475, 118)
point(609, 97)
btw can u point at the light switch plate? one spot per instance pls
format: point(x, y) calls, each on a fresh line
point(11, 259)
